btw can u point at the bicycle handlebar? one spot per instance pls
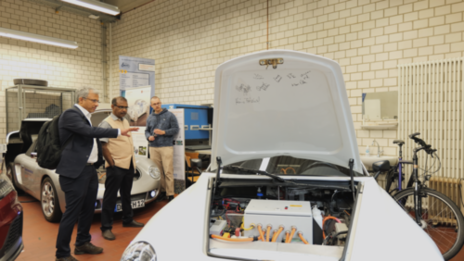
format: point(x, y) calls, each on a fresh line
point(428, 148)
point(413, 136)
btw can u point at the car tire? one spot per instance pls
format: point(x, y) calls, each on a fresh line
point(49, 201)
point(11, 174)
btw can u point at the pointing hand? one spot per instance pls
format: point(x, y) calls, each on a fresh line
point(125, 132)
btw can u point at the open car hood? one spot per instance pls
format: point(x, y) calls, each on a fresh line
point(299, 108)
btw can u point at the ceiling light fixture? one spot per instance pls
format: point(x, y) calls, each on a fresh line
point(95, 5)
point(37, 38)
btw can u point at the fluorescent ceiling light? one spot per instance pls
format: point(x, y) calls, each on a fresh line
point(37, 38)
point(95, 5)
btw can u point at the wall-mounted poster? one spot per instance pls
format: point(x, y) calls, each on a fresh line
point(137, 85)
point(138, 100)
point(140, 142)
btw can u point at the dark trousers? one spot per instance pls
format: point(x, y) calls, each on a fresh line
point(117, 179)
point(80, 195)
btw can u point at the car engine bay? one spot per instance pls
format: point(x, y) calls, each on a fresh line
point(303, 213)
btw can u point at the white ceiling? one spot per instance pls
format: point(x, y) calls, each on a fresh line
point(126, 5)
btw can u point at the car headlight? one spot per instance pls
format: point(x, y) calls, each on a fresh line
point(154, 172)
point(5, 188)
point(139, 251)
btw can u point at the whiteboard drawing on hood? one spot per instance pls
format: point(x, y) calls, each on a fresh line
point(254, 87)
point(138, 100)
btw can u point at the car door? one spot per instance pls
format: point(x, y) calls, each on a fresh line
point(31, 173)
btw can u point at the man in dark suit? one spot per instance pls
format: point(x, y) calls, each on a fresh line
point(78, 176)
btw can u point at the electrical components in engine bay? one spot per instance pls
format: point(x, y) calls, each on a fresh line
point(291, 215)
point(217, 227)
point(262, 220)
point(323, 221)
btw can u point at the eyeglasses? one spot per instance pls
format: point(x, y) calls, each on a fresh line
point(122, 107)
point(92, 100)
point(154, 104)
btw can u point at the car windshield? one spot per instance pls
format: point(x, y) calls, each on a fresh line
point(287, 165)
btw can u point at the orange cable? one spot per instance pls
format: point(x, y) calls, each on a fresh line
point(268, 233)
point(323, 222)
point(302, 238)
point(261, 233)
point(249, 239)
point(276, 234)
point(291, 235)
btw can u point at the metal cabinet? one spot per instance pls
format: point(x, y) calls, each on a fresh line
point(30, 101)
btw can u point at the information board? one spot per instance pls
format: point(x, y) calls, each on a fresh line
point(179, 153)
point(137, 85)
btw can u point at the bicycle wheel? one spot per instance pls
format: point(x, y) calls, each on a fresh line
point(441, 219)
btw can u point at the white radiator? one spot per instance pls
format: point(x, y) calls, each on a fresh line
point(452, 189)
point(431, 102)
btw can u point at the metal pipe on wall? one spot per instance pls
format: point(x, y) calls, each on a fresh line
point(110, 42)
point(104, 60)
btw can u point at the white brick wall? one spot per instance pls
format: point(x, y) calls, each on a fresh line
point(59, 66)
point(369, 38)
point(190, 38)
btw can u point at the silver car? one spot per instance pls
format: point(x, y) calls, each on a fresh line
point(43, 184)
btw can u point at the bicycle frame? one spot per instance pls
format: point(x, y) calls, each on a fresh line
point(400, 170)
point(417, 187)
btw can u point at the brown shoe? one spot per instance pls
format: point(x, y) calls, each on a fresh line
point(68, 258)
point(133, 224)
point(108, 235)
point(87, 248)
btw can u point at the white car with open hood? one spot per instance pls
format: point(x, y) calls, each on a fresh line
point(289, 184)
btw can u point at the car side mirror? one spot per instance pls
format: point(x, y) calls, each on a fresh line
point(195, 163)
point(383, 165)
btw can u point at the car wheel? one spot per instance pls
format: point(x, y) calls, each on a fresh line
point(49, 201)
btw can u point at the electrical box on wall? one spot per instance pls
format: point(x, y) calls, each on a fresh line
point(195, 119)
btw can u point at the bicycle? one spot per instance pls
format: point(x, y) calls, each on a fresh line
point(434, 212)
point(396, 172)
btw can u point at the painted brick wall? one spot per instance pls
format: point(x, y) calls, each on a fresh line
point(59, 66)
point(369, 38)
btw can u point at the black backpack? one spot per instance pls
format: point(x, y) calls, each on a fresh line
point(49, 147)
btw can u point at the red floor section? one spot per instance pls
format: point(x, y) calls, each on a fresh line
point(39, 236)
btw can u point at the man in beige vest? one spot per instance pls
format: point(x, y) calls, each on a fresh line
point(120, 169)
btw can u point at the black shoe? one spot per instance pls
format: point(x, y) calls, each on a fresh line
point(170, 198)
point(68, 258)
point(87, 248)
point(133, 223)
point(108, 235)
point(161, 197)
